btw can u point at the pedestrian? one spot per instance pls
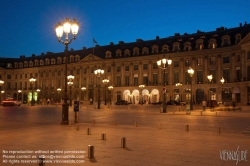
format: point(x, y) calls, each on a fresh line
point(48, 102)
point(204, 105)
point(90, 101)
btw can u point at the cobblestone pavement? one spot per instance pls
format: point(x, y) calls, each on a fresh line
point(152, 138)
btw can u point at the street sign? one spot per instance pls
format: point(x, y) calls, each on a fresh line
point(76, 106)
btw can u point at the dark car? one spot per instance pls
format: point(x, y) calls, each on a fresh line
point(173, 102)
point(157, 103)
point(10, 102)
point(212, 103)
point(122, 102)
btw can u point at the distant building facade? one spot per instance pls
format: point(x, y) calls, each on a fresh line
point(221, 53)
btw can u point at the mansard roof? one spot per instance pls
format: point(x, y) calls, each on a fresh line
point(100, 51)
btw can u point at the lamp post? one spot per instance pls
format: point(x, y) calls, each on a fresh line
point(83, 89)
point(163, 64)
point(105, 82)
point(222, 82)
point(19, 91)
point(1, 83)
point(58, 91)
point(141, 87)
point(70, 84)
point(32, 80)
point(110, 88)
point(67, 27)
point(98, 73)
point(2, 92)
point(38, 91)
point(191, 73)
point(210, 77)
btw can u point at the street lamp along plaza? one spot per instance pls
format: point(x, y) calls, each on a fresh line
point(222, 82)
point(59, 97)
point(70, 84)
point(110, 88)
point(32, 80)
point(67, 27)
point(105, 82)
point(98, 73)
point(210, 77)
point(163, 64)
point(191, 73)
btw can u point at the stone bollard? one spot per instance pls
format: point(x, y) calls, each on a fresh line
point(103, 136)
point(90, 151)
point(123, 142)
point(136, 125)
point(187, 127)
point(89, 131)
point(41, 160)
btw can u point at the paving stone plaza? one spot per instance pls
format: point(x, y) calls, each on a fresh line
point(121, 135)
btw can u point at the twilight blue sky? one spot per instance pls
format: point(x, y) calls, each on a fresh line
point(27, 26)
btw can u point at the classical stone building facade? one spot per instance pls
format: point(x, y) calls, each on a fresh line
point(221, 53)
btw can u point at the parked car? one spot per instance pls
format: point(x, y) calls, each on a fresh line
point(10, 102)
point(212, 103)
point(122, 102)
point(173, 102)
point(157, 103)
point(182, 102)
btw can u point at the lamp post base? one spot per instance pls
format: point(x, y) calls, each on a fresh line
point(65, 113)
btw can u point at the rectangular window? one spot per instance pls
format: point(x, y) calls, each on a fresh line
point(155, 79)
point(59, 73)
point(199, 62)
point(165, 79)
point(53, 73)
point(155, 66)
point(21, 76)
point(127, 68)
point(135, 67)
point(176, 64)
point(20, 85)
point(145, 79)
point(176, 78)
point(25, 85)
point(118, 80)
point(225, 42)
point(8, 86)
point(187, 78)
point(199, 77)
point(212, 61)
point(78, 71)
point(118, 68)
point(226, 59)
point(41, 75)
point(8, 76)
point(136, 79)
point(187, 62)
point(145, 66)
point(109, 69)
point(16, 76)
point(31, 75)
point(213, 73)
point(47, 74)
point(238, 74)
point(226, 75)
point(126, 80)
point(85, 71)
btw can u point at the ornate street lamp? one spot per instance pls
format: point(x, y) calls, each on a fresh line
point(222, 82)
point(38, 91)
point(105, 82)
point(70, 84)
point(110, 88)
point(191, 73)
point(1, 83)
point(19, 91)
point(59, 97)
point(141, 87)
point(32, 80)
point(163, 64)
point(98, 73)
point(83, 89)
point(210, 77)
point(67, 27)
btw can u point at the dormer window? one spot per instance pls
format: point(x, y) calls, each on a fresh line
point(212, 43)
point(25, 64)
point(136, 51)
point(59, 60)
point(53, 61)
point(127, 52)
point(237, 38)
point(165, 48)
point(155, 49)
point(145, 51)
point(20, 65)
point(199, 44)
point(118, 53)
point(77, 58)
point(46, 61)
point(226, 40)
point(41, 62)
point(108, 54)
point(176, 47)
point(71, 58)
point(16, 65)
point(36, 62)
point(30, 64)
point(187, 46)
